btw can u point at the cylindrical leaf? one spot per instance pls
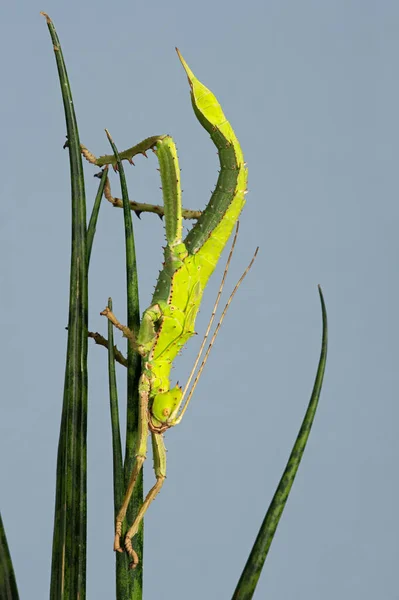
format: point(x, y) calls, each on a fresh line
point(248, 581)
point(68, 571)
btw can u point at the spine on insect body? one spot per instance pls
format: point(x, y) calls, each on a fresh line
point(171, 189)
point(109, 159)
point(170, 321)
point(175, 250)
point(166, 324)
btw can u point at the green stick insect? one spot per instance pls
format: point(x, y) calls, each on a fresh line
point(169, 321)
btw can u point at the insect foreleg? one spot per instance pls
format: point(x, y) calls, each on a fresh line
point(109, 159)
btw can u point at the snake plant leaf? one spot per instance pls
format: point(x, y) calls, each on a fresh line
point(129, 584)
point(8, 585)
point(91, 228)
point(68, 570)
point(249, 578)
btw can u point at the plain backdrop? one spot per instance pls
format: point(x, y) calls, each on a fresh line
point(311, 89)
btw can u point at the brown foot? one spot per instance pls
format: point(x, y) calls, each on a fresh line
point(117, 543)
point(117, 538)
point(131, 553)
point(134, 562)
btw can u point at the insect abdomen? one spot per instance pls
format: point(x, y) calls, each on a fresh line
point(232, 180)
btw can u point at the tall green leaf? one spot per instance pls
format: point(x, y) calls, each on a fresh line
point(126, 591)
point(68, 570)
point(248, 581)
point(91, 228)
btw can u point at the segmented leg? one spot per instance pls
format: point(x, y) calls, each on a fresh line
point(141, 451)
point(159, 452)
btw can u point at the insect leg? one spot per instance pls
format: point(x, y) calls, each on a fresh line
point(159, 452)
point(125, 330)
point(197, 377)
point(215, 307)
point(141, 451)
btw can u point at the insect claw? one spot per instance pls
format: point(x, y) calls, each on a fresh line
point(99, 175)
point(66, 145)
point(160, 216)
point(138, 213)
point(115, 168)
point(144, 154)
point(131, 161)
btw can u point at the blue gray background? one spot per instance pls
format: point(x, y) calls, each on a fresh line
point(312, 91)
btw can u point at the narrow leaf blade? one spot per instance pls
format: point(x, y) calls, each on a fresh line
point(133, 375)
point(68, 571)
point(8, 584)
point(249, 578)
point(91, 228)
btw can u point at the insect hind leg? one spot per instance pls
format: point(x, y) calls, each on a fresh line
point(159, 452)
point(141, 452)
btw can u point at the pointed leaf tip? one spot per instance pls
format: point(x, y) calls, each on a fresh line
point(107, 133)
point(45, 15)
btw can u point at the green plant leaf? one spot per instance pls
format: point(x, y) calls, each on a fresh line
point(91, 228)
point(124, 577)
point(68, 570)
point(249, 578)
point(119, 483)
point(8, 585)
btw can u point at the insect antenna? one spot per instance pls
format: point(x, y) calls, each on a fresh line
point(215, 307)
point(222, 316)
